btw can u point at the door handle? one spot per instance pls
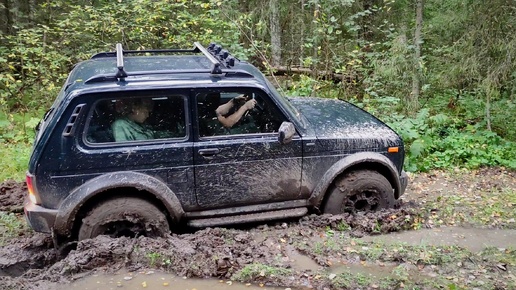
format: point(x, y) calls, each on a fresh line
point(208, 152)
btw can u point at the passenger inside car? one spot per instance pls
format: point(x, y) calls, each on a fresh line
point(130, 126)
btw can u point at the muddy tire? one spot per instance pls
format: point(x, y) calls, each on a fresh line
point(363, 190)
point(127, 216)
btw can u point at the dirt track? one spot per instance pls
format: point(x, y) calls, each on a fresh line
point(30, 262)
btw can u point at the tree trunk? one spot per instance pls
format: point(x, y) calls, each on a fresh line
point(275, 30)
point(488, 111)
point(413, 103)
point(315, 24)
point(367, 20)
point(25, 16)
point(302, 35)
point(6, 23)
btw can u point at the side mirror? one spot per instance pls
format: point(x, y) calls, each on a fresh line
point(286, 132)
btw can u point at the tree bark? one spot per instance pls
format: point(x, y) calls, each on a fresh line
point(413, 104)
point(275, 30)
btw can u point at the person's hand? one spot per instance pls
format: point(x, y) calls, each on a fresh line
point(240, 98)
point(249, 105)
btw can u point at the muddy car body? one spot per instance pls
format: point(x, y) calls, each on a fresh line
point(286, 157)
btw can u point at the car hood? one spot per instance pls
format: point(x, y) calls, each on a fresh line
point(340, 122)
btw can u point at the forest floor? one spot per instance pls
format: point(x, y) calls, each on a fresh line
point(454, 230)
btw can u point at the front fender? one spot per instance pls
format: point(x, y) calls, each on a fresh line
point(347, 162)
point(73, 202)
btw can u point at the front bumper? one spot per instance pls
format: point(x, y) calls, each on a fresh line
point(39, 218)
point(403, 182)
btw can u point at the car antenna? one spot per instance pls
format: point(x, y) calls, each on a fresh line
point(120, 74)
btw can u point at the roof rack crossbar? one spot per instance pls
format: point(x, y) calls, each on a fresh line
point(114, 77)
point(120, 74)
point(216, 70)
point(155, 51)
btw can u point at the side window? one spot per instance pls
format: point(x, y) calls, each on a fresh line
point(136, 119)
point(235, 112)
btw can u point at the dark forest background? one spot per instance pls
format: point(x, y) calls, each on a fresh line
point(442, 73)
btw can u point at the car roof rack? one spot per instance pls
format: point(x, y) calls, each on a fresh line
point(220, 59)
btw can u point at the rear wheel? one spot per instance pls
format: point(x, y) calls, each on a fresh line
point(125, 216)
point(363, 190)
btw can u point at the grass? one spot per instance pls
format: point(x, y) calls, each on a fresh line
point(254, 272)
point(154, 257)
point(347, 280)
point(16, 135)
point(484, 198)
point(11, 226)
point(422, 266)
point(15, 158)
point(491, 209)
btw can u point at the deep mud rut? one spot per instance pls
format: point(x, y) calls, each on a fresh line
point(313, 250)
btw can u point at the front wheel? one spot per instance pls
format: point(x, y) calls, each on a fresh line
point(363, 190)
point(124, 216)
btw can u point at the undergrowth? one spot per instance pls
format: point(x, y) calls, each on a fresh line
point(440, 141)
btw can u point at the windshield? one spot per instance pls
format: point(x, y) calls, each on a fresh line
point(285, 102)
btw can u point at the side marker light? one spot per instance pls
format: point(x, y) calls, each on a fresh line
point(393, 150)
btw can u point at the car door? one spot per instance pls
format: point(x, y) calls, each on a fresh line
point(244, 164)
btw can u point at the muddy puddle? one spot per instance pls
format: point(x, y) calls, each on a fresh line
point(473, 239)
point(300, 262)
point(151, 279)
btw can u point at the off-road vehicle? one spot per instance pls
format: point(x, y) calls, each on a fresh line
point(283, 158)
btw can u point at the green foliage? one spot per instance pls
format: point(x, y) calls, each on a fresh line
point(154, 257)
point(30, 71)
point(440, 141)
point(35, 61)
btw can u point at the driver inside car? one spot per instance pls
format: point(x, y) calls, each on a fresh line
point(228, 119)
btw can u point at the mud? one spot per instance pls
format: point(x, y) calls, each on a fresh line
point(302, 254)
point(12, 195)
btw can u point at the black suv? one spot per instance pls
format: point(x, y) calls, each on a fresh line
point(141, 142)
